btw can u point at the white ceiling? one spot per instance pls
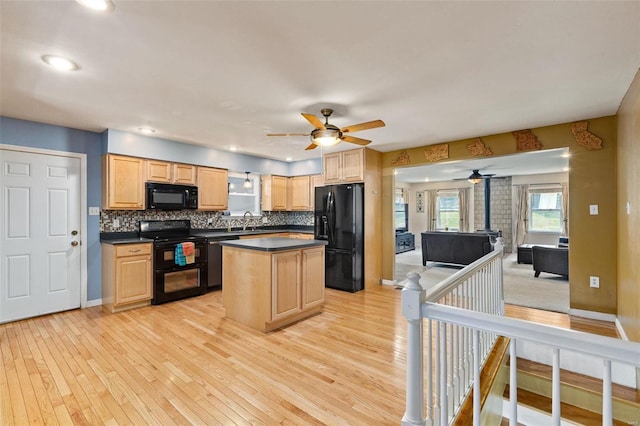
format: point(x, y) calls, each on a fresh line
point(225, 73)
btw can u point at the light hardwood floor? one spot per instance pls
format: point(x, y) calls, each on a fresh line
point(184, 363)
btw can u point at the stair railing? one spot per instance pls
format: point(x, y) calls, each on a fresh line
point(466, 314)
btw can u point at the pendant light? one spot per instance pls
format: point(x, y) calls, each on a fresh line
point(247, 182)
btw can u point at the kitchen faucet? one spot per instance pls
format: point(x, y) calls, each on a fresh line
point(246, 221)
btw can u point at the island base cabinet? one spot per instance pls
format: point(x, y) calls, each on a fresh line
point(268, 290)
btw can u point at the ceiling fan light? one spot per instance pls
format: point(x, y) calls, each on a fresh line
point(475, 177)
point(325, 137)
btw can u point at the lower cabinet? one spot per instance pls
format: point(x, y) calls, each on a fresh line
point(405, 242)
point(269, 290)
point(127, 276)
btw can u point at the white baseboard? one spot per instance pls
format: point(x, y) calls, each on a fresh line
point(593, 315)
point(388, 282)
point(94, 302)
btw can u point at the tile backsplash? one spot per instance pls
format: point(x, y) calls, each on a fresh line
point(128, 219)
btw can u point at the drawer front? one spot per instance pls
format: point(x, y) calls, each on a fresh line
point(133, 249)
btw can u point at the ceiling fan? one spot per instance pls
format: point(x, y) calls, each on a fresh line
point(327, 134)
point(476, 177)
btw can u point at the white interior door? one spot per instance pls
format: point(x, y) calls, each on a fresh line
point(40, 261)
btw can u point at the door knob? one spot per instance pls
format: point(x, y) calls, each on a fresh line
point(74, 243)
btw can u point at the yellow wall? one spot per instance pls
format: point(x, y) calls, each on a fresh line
point(629, 224)
point(592, 180)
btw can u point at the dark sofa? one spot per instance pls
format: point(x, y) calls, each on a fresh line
point(554, 260)
point(454, 247)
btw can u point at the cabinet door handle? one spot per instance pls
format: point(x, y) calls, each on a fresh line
point(134, 251)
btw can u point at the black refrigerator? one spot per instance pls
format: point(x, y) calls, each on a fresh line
point(339, 219)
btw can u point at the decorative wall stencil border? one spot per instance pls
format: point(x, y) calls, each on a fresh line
point(477, 148)
point(526, 140)
point(437, 152)
point(420, 201)
point(401, 159)
point(585, 138)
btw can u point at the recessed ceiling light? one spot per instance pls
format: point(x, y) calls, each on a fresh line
point(566, 155)
point(395, 172)
point(100, 5)
point(60, 63)
point(146, 130)
point(233, 148)
point(289, 158)
point(426, 179)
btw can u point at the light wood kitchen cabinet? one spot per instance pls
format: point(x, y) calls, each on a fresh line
point(213, 192)
point(344, 166)
point(315, 181)
point(127, 275)
point(266, 290)
point(299, 236)
point(167, 172)
point(274, 192)
point(122, 183)
point(299, 193)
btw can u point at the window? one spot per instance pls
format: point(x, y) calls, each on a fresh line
point(401, 212)
point(243, 199)
point(545, 212)
point(447, 211)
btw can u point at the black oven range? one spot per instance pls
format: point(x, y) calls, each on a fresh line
point(175, 276)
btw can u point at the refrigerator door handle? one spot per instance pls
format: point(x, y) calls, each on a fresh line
point(331, 216)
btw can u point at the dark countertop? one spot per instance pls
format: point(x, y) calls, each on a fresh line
point(273, 244)
point(209, 233)
point(122, 238)
point(132, 237)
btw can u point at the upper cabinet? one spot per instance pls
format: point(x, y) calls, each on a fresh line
point(122, 183)
point(274, 192)
point(344, 166)
point(164, 171)
point(314, 182)
point(299, 193)
point(213, 192)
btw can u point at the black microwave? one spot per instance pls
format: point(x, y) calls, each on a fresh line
point(166, 196)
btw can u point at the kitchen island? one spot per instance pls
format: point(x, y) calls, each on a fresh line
point(268, 283)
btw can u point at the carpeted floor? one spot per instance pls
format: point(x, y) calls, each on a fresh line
point(548, 292)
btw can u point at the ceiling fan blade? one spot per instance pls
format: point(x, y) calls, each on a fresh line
point(287, 134)
point(355, 140)
point(312, 146)
point(315, 121)
point(363, 126)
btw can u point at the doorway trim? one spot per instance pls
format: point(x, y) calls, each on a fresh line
point(83, 206)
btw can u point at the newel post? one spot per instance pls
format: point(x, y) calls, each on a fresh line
point(413, 296)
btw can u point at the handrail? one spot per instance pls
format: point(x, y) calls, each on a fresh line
point(451, 282)
point(577, 341)
point(464, 315)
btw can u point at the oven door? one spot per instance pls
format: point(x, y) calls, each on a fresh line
point(164, 254)
point(179, 282)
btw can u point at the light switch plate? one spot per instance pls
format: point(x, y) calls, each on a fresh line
point(594, 282)
point(94, 211)
point(593, 209)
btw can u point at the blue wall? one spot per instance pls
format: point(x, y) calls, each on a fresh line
point(46, 136)
point(118, 142)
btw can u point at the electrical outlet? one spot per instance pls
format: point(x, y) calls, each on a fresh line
point(115, 223)
point(593, 209)
point(94, 211)
point(264, 219)
point(594, 282)
point(210, 221)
